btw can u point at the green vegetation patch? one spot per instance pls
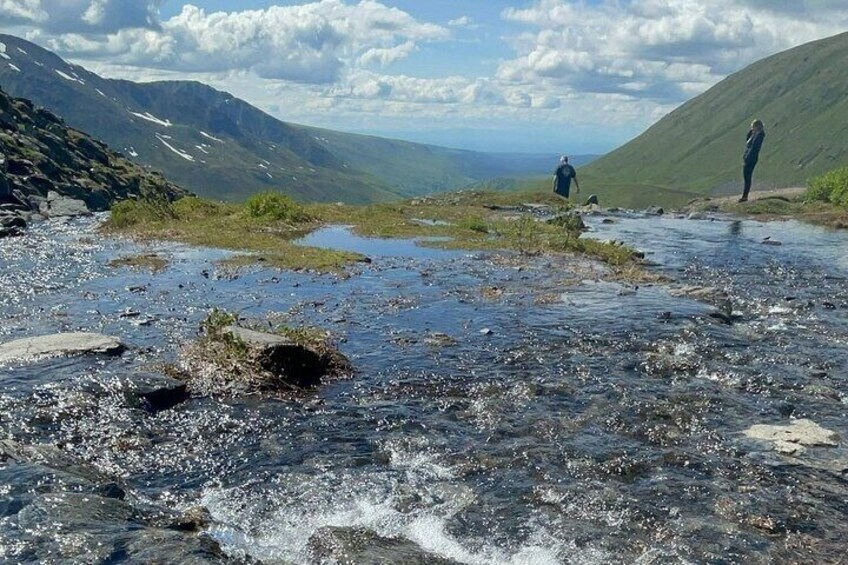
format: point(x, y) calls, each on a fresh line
point(830, 187)
point(479, 220)
point(265, 229)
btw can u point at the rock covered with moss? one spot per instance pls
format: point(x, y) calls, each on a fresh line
point(231, 359)
point(49, 168)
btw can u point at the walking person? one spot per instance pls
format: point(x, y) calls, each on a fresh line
point(562, 178)
point(753, 143)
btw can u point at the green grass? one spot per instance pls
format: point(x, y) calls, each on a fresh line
point(229, 226)
point(267, 226)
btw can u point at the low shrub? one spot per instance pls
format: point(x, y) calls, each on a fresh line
point(276, 206)
point(829, 187)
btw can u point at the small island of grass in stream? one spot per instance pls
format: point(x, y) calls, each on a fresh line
point(267, 225)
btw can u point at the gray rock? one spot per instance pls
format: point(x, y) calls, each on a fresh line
point(363, 547)
point(58, 206)
point(792, 439)
point(654, 211)
point(71, 343)
point(593, 199)
point(711, 295)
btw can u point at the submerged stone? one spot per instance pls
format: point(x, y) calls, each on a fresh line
point(362, 546)
point(154, 393)
point(70, 343)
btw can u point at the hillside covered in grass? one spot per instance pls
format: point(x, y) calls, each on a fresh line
point(800, 95)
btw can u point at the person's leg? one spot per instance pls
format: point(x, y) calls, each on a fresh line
point(747, 176)
point(566, 187)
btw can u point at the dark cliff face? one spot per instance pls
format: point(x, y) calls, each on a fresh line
point(41, 154)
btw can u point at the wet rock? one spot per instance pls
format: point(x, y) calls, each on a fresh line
point(769, 241)
point(167, 546)
point(11, 225)
point(363, 547)
point(153, 392)
point(486, 331)
point(711, 295)
point(593, 199)
point(654, 211)
point(792, 439)
point(71, 343)
point(233, 360)
point(439, 339)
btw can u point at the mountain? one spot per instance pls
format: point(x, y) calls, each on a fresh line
point(222, 147)
point(46, 165)
point(800, 94)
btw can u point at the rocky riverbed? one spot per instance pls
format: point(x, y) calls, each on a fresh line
point(500, 408)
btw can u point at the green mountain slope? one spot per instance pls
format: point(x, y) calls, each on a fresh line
point(222, 147)
point(801, 95)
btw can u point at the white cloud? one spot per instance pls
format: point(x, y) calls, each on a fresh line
point(311, 43)
point(22, 10)
point(663, 49)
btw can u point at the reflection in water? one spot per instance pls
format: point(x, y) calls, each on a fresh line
point(734, 227)
point(588, 425)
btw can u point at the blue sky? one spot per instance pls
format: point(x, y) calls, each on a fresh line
point(563, 76)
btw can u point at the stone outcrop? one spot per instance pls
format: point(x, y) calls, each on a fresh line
point(70, 343)
point(51, 169)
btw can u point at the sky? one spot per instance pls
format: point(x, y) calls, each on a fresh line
point(535, 76)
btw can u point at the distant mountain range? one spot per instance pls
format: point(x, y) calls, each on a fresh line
point(800, 94)
point(222, 147)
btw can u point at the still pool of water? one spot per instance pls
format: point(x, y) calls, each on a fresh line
point(594, 422)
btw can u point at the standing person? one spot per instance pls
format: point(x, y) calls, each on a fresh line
point(562, 178)
point(753, 142)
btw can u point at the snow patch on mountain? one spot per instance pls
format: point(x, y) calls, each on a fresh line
point(151, 118)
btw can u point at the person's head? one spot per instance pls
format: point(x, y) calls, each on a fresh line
point(757, 125)
point(563, 159)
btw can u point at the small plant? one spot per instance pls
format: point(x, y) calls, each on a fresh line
point(829, 187)
point(276, 206)
point(230, 347)
point(128, 213)
point(475, 224)
point(525, 234)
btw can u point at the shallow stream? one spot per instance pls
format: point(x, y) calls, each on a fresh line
point(504, 409)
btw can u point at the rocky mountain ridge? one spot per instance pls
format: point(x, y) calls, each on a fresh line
point(48, 168)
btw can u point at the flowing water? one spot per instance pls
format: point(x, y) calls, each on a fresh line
point(504, 409)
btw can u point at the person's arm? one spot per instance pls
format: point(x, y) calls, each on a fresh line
point(576, 184)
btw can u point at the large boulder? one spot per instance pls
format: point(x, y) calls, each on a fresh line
point(58, 205)
point(70, 343)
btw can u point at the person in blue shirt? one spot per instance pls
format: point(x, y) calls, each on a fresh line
point(753, 143)
point(562, 178)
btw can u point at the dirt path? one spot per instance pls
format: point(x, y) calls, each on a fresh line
point(721, 202)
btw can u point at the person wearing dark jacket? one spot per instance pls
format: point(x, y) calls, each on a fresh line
point(562, 178)
point(753, 143)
